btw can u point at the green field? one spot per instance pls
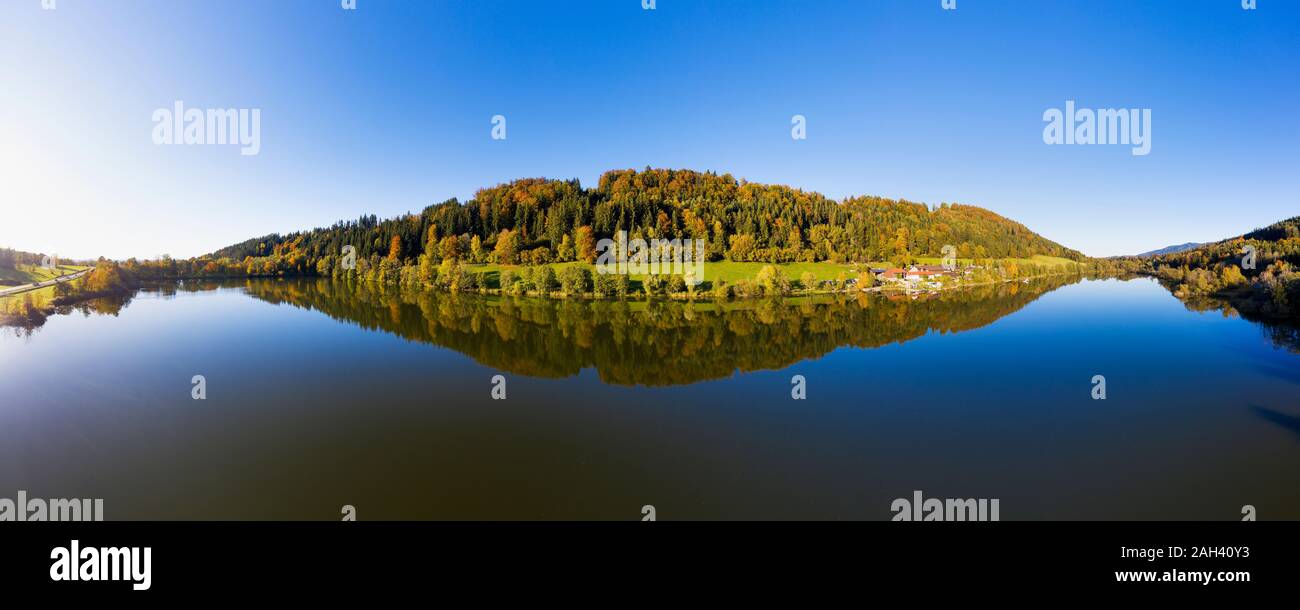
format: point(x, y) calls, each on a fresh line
point(29, 274)
point(1037, 259)
point(14, 304)
point(726, 271)
point(731, 272)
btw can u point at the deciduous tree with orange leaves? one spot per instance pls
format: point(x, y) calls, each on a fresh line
point(395, 248)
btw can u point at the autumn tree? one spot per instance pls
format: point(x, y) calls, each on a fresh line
point(506, 251)
point(395, 248)
point(1231, 276)
point(565, 252)
point(428, 268)
point(772, 280)
point(866, 279)
point(808, 281)
point(476, 253)
point(585, 244)
point(742, 248)
point(450, 248)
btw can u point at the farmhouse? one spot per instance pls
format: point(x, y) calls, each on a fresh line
point(921, 273)
point(914, 273)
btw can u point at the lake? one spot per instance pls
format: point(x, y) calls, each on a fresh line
point(322, 394)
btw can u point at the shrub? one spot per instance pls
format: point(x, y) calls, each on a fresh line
point(525, 282)
point(545, 280)
point(410, 275)
point(446, 274)
point(604, 285)
point(464, 280)
point(772, 281)
point(506, 281)
point(866, 279)
point(390, 271)
point(744, 289)
point(808, 281)
point(539, 256)
point(428, 269)
point(676, 284)
point(654, 285)
point(575, 281)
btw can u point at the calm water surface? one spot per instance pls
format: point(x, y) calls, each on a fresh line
point(322, 394)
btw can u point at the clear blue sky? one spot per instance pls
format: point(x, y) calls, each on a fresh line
point(387, 109)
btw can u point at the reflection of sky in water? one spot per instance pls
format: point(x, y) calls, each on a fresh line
point(305, 414)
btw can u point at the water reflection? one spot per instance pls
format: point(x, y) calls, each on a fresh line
point(23, 316)
point(1282, 334)
point(308, 412)
point(654, 343)
point(651, 343)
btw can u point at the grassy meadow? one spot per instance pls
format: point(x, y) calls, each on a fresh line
point(731, 272)
point(28, 274)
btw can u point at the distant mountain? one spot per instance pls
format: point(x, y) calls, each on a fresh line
point(1173, 249)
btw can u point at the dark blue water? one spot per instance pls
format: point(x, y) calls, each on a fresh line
point(321, 395)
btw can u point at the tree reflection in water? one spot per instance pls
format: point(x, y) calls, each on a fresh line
point(658, 342)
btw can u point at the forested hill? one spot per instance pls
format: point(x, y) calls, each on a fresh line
point(1278, 241)
point(1259, 272)
point(1279, 231)
point(538, 220)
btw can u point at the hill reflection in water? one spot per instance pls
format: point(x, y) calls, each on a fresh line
point(653, 343)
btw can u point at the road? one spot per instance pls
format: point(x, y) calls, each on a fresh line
point(38, 285)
